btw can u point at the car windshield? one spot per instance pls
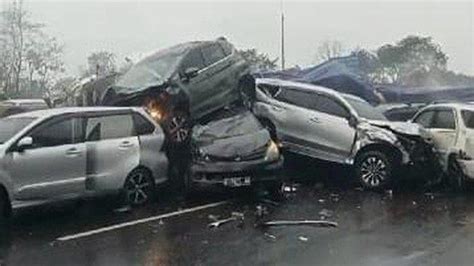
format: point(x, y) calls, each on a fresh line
point(468, 118)
point(10, 126)
point(365, 110)
point(238, 125)
point(151, 71)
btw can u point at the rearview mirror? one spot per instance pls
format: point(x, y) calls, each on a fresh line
point(24, 143)
point(190, 73)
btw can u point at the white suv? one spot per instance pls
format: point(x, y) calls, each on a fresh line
point(451, 125)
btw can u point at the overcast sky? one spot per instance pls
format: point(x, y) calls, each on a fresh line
point(126, 27)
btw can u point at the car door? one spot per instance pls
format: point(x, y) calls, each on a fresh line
point(220, 81)
point(288, 117)
point(328, 132)
point(55, 165)
point(112, 149)
point(441, 123)
point(196, 86)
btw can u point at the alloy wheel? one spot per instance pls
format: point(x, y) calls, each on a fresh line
point(178, 128)
point(138, 188)
point(373, 171)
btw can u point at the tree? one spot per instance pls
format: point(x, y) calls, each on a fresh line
point(259, 61)
point(101, 63)
point(328, 50)
point(411, 54)
point(28, 57)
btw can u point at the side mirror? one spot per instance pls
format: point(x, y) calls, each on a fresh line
point(190, 73)
point(24, 143)
point(352, 120)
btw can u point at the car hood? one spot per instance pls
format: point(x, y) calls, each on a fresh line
point(234, 147)
point(400, 127)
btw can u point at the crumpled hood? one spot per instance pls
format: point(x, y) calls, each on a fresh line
point(237, 146)
point(406, 128)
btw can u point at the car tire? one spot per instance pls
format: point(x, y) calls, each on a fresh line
point(247, 91)
point(178, 128)
point(456, 176)
point(374, 169)
point(139, 187)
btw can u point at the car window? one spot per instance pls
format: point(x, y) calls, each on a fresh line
point(468, 118)
point(227, 48)
point(327, 105)
point(55, 133)
point(443, 119)
point(425, 118)
point(290, 96)
point(142, 125)
point(212, 53)
point(109, 127)
point(193, 59)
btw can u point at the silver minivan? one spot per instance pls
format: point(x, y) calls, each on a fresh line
point(71, 152)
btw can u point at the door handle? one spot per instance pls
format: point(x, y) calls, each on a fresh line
point(73, 152)
point(126, 144)
point(315, 120)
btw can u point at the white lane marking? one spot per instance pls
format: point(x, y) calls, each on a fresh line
point(141, 221)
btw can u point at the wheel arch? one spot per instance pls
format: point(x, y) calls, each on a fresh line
point(5, 194)
point(392, 152)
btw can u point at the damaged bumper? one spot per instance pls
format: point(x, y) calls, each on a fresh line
point(235, 174)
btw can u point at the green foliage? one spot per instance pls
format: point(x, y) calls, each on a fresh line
point(258, 60)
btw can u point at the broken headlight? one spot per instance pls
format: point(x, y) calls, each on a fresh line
point(273, 153)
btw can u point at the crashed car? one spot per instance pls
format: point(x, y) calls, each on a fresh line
point(183, 83)
point(232, 150)
point(400, 111)
point(325, 124)
point(17, 106)
point(451, 126)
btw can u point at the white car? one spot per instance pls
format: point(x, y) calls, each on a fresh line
point(66, 153)
point(451, 125)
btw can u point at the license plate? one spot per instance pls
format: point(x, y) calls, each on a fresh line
point(237, 181)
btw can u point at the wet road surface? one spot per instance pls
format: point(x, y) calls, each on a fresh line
point(410, 226)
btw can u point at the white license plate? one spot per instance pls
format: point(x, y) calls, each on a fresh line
point(237, 181)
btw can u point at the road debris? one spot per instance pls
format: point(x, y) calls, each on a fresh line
point(320, 223)
point(289, 188)
point(235, 216)
point(270, 236)
point(325, 213)
point(303, 238)
point(334, 197)
point(430, 195)
point(124, 209)
point(389, 193)
point(321, 200)
point(270, 202)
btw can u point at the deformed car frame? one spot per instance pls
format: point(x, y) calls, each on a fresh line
point(182, 84)
point(328, 125)
point(233, 150)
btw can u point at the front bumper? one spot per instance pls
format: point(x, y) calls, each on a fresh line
point(467, 167)
point(219, 173)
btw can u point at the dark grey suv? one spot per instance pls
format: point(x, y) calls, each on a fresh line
point(183, 83)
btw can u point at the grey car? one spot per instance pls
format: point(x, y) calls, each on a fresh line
point(66, 153)
point(325, 124)
point(183, 83)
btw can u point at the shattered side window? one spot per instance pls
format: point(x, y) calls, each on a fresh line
point(193, 59)
point(468, 118)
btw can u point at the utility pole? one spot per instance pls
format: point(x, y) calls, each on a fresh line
point(282, 37)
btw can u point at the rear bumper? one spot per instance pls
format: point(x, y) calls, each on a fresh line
point(216, 173)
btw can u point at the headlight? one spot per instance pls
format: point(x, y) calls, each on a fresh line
point(273, 153)
point(156, 115)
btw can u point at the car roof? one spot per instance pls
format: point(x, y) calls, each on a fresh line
point(466, 106)
point(71, 110)
point(311, 87)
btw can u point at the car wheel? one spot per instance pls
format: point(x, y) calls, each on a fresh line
point(139, 187)
point(456, 176)
point(374, 169)
point(178, 127)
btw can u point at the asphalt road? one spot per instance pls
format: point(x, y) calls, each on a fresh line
point(411, 225)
